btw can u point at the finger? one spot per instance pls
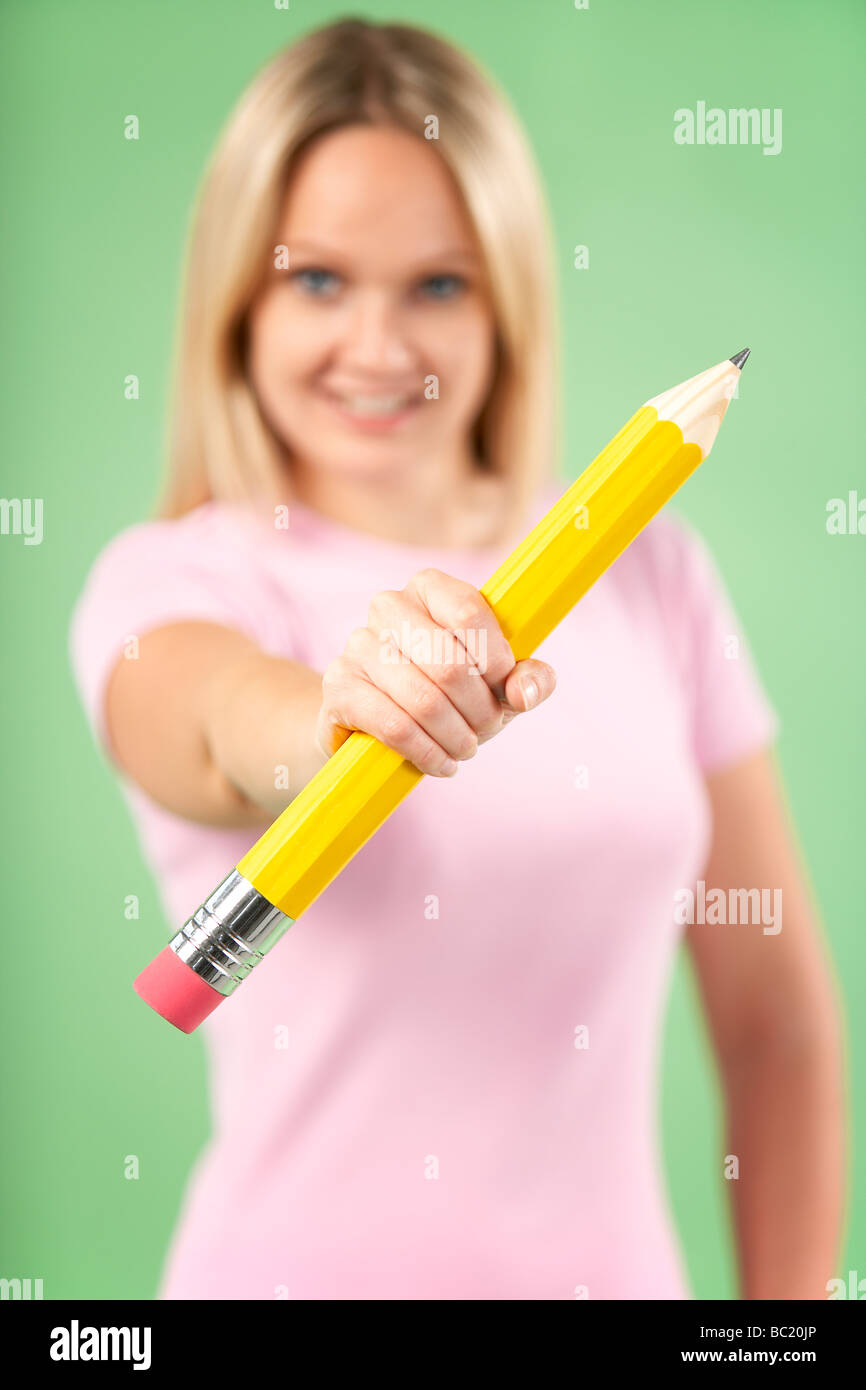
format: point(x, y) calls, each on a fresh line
point(406, 624)
point(389, 669)
point(370, 710)
point(529, 683)
point(462, 609)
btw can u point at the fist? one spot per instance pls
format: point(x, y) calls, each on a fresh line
point(431, 676)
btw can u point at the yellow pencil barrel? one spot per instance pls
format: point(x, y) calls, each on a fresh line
point(592, 523)
point(328, 822)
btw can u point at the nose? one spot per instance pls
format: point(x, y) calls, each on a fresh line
point(376, 338)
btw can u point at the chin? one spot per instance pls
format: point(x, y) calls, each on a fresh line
point(371, 461)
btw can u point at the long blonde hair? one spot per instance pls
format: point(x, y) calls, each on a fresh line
point(346, 73)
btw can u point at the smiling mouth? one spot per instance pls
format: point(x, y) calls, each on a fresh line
point(371, 408)
point(372, 404)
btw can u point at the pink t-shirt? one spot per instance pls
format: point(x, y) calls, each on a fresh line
point(443, 1082)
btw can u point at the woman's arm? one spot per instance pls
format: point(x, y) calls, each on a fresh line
point(776, 1024)
point(202, 719)
point(219, 732)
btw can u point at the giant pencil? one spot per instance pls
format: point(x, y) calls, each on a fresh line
point(363, 781)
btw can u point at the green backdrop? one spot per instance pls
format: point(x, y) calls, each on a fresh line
point(695, 251)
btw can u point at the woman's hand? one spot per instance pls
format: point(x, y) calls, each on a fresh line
point(431, 676)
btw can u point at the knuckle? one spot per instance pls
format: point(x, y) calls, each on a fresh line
point(335, 672)
point(333, 714)
point(380, 604)
point(387, 647)
point(421, 578)
point(427, 700)
point(357, 640)
point(448, 673)
point(396, 728)
point(471, 609)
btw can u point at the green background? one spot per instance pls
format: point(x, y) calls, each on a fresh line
point(695, 252)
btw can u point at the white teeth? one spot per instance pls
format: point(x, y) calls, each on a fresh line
point(373, 405)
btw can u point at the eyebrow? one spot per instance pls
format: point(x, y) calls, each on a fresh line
point(450, 254)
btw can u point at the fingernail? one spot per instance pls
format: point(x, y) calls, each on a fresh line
point(448, 768)
point(530, 691)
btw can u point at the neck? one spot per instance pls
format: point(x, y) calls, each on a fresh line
point(450, 505)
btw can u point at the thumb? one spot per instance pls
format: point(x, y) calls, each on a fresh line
point(529, 684)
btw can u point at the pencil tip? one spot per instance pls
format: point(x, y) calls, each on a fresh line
point(739, 358)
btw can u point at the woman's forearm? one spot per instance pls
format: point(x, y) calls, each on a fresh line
point(786, 1127)
point(260, 719)
point(211, 727)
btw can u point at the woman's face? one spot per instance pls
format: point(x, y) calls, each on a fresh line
point(375, 348)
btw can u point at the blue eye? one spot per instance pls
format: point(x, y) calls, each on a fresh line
point(316, 281)
point(443, 286)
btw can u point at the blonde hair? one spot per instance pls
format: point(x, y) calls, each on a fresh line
point(346, 73)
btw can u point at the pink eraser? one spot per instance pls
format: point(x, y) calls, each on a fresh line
point(176, 992)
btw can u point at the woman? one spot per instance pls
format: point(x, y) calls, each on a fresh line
point(443, 1083)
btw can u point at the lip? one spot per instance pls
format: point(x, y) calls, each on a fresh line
point(370, 424)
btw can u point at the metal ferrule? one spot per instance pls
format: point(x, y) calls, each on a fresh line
point(231, 932)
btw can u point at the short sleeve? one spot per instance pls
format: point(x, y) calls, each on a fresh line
point(150, 575)
point(729, 711)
